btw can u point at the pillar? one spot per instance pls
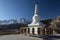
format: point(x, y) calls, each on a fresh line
point(45, 31)
point(30, 30)
point(53, 31)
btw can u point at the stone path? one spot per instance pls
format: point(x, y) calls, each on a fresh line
point(18, 37)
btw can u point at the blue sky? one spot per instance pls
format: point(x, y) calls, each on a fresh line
point(16, 9)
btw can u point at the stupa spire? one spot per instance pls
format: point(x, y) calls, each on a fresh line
point(36, 17)
point(36, 7)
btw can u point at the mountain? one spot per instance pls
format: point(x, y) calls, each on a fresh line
point(14, 21)
point(25, 21)
point(6, 22)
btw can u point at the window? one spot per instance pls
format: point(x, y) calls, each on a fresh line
point(32, 30)
point(38, 31)
point(28, 30)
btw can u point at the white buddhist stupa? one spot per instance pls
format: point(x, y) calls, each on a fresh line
point(36, 27)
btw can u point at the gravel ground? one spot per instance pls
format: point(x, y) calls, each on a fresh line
point(18, 37)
